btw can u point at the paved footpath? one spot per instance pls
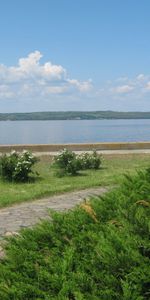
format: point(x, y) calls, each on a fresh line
point(27, 214)
point(103, 152)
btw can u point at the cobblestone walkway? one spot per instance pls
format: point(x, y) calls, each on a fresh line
point(26, 214)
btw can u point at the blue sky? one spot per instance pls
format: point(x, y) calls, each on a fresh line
point(74, 55)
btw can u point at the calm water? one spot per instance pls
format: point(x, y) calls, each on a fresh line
point(47, 132)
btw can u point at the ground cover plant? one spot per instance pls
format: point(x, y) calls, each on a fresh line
point(100, 250)
point(111, 173)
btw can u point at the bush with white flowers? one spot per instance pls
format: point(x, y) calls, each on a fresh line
point(67, 162)
point(17, 166)
point(90, 160)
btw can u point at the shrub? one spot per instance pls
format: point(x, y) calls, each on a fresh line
point(100, 250)
point(17, 166)
point(67, 162)
point(7, 165)
point(90, 160)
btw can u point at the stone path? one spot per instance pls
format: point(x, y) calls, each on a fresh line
point(27, 214)
point(103, 152)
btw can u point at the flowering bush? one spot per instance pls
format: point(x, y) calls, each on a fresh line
point(68, 162)
point(17, 166)
point(90, 160)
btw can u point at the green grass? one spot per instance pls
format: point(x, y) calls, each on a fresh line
point(99, 251)
point(113, 167)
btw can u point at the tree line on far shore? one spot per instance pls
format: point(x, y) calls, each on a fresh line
point(73, 115)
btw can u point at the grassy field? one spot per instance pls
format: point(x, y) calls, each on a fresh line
point(100, 250)
point(111, 173)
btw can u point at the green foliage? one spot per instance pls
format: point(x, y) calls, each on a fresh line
point(100, 250)
point(68, 162)
point(90, 160)
point(8, 164)
point(17, 166)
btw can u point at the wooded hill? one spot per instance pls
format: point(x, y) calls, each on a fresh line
point(73, 115)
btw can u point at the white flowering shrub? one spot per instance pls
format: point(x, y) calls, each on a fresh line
point(90, 160)
point(17, 166)
point(67, 162)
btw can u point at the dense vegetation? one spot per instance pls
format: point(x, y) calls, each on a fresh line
point(73, 115)
point(100, 250)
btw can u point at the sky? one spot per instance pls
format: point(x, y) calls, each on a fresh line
point(58, 55)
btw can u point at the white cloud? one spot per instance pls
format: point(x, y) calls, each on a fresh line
point(148, 86)
point(33, 85)
point(30, 78)
point(141, 77)
point(123, 89)
point(84, 86)
point(137, 85)
point(55, 90)
point(31, 61)
point(5, 92)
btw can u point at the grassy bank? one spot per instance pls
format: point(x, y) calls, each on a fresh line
point(100, 250)
point(113, 167)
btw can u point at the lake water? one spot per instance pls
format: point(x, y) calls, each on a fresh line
point(78, 131)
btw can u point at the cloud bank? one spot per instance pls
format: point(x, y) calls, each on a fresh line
point(35, 86)
point(30, 78)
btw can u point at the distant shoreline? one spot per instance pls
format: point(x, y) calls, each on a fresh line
point(73, 115)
